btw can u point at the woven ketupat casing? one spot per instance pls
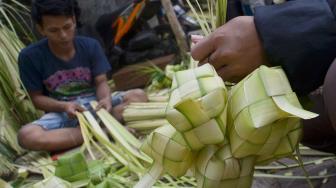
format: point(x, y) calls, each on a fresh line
point(167, 148)
point(216, 167)
point(264, 115)
point(197, 106)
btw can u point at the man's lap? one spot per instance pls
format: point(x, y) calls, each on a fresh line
point(57, 120)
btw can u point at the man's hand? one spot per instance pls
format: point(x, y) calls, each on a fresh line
point(71, 108)
point(234, 49)
point(105, 103)
point(103, 93)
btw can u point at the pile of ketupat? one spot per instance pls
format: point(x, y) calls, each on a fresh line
point(218, 134)
point(215, 134)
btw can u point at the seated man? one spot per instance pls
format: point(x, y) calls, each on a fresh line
point(62, 73)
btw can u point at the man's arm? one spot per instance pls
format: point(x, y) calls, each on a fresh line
point(298, 35)
point(103, 92)
point(49, 104)
point(100, 66)
point(301, 37)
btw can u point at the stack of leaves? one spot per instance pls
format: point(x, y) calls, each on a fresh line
point(145, 117)
point(226, 132)
point(158, 96)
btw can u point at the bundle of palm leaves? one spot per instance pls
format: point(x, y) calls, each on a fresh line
point(13, 15)
point(16, 108)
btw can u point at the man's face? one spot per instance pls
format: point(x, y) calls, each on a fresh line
point(60, 30)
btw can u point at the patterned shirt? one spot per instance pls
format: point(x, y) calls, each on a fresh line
point(41, 70)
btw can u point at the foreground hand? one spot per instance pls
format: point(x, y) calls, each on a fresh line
point(71, 108)
point(234, 49)
point(105, 103)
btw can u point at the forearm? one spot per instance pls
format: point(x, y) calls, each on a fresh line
point(48, 104)
point(103, 90)
point(300, 36)
point(103, 93)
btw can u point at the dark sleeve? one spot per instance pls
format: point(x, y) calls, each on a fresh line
point(301, 37)
point(29, 74)
point(100, 64)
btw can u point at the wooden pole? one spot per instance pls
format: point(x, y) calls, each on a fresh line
point(177, 30)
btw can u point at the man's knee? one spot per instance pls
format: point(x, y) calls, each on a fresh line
point(29, 136)
point(136, 95)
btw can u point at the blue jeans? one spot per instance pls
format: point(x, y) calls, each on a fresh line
point(57, 120)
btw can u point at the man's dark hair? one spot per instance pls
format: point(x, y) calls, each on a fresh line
point(54, 8)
